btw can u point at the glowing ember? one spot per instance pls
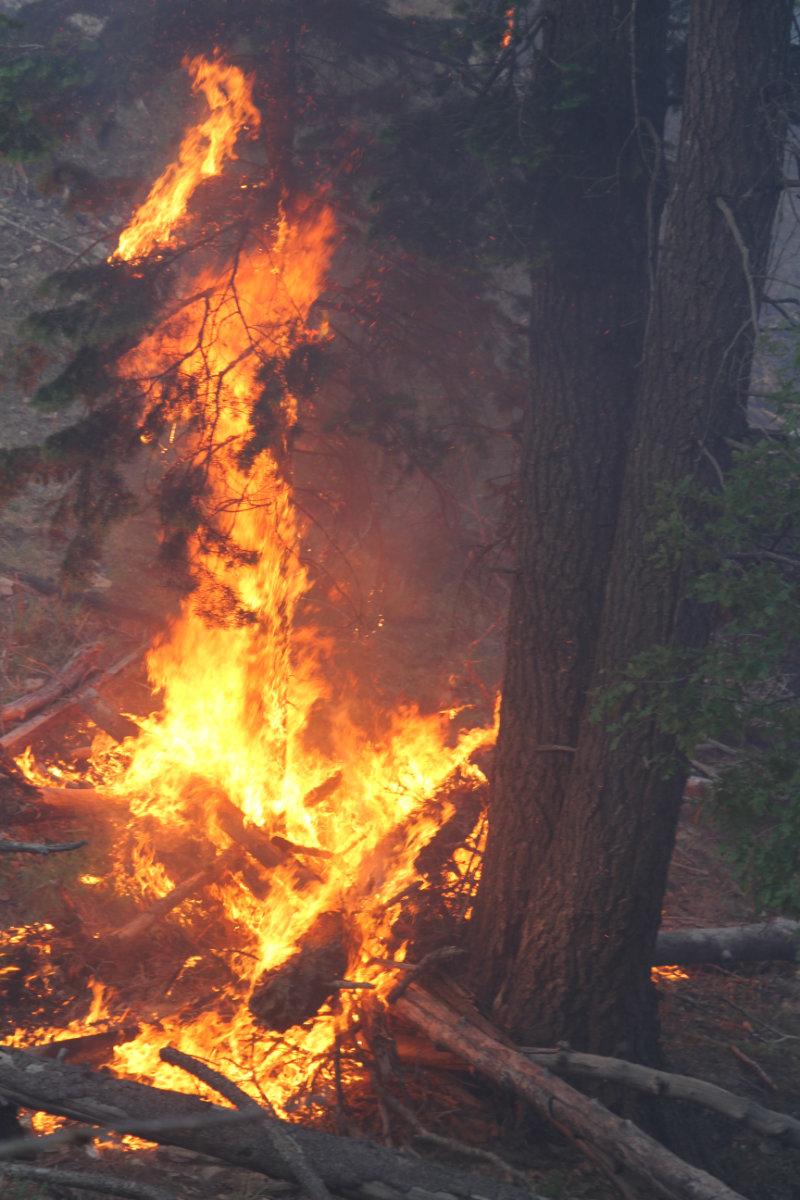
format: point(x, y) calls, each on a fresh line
point(231, 759)
point(668, 974)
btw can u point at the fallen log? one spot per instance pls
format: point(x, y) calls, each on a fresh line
point(113, 723)
point(74, 671)
point(294, 991)
point(93, 599)
point(297, 1166)
point(593, 1128)
point(678, 1087)
point(20, 736)
point(348, 1168)
point(85, 1181)
point(92, 1048)
point(777, 940)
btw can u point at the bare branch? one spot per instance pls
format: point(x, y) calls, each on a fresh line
point(87, 1182)
point(39, 847)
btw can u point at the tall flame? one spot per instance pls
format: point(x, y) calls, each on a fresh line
point(202, 155)
point(240, 692)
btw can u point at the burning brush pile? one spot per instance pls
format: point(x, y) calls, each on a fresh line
point(270, 858)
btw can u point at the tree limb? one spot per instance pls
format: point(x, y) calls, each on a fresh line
point(664, 1083)
point(285, 1146)
point(778, 940)
point(39, 847)
point(593, 1129)
point(349, 1168)
point(85, 1181)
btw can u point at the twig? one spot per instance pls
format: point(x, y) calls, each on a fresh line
point(453, 1145)
point(413, 973)
point(283, 1143)
point(753, 1066)
point(86, 1182)
point(39, 847)
point(37, 237)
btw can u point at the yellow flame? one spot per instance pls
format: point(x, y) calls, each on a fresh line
point(241, 675)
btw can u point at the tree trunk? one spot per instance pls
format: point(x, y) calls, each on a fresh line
point(589, 295)
point(581, 970)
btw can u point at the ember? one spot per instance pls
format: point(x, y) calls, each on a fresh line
point(276, 867)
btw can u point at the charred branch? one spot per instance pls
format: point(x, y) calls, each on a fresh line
point(39, 847)
point(350, 1168)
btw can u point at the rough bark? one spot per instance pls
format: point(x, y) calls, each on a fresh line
point(580, 971)
point(589, 280)
point(348, 1167)
point(291, 993)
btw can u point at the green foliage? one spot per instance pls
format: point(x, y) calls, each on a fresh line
point(743, 690)
point(39, 90)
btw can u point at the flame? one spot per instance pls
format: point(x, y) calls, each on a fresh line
point(202, 155)
point(508, 32)
point(240, 672)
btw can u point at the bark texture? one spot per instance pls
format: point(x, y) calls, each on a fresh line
point(589, 276)
point(584, 926)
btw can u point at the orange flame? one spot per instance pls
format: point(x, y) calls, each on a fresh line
point(240, 674)
point(202, 155)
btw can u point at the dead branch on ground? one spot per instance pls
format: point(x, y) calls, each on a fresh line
point(763, 1120)
point(84, 1181)
point(777, 940)
point(39, 847)
point(347, 1167)
point(594, 1129)
point(285, 1146)
point(74, 671)
point(20, 736)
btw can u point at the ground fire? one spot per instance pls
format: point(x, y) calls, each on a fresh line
point(279, 856)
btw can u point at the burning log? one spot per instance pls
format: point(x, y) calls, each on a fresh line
point(92, 1048)
point(113, 723)
point(593, 1129)
point(18, 738)
point(777, 940)
point(297, 989)
point(350, 1168)
point(74, 671)
point(268, 851)
point(142, 923)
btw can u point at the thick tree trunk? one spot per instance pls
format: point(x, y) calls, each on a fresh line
point(589, 276)
point(581, 969)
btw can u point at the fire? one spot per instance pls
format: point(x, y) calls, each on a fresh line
point(202, 155)
point(232, 754)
